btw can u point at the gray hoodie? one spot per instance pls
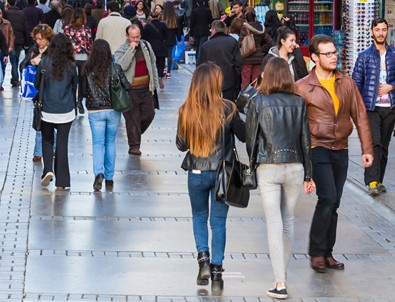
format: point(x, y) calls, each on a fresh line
point(274, 52)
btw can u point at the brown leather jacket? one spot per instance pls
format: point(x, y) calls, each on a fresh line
point(327, 129)
point(8, 33)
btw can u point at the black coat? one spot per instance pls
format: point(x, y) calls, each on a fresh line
point(155, 33)
point(280, 119)
point(3, 44)
point(51, 17)
point(19, 25)
point(234, 126)
point(200, 22)
point(224, 51)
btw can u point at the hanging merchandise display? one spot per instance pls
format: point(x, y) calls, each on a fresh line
point(261, 7)
point(357, 18)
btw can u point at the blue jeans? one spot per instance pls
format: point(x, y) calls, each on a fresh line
point(14, 60)
point(104, 126)
point(329, 174)
point(38, 147)
point(200, 188)
point(2, 71)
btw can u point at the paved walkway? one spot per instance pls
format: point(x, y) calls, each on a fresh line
point(135, 243)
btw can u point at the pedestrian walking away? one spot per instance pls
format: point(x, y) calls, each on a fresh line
point(283, 160)
point(200, 121)
point(81, 38)
point(103, 120)
point(374, 74)
point(333, 105)
point(58, 108)
point(224, 51)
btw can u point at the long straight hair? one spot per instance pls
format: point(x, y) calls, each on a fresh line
point(169, 15)
point(202, 115)
point(276, 77)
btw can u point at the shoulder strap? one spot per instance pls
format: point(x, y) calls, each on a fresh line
point(146, 45)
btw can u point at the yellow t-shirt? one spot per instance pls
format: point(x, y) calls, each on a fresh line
point(330, 86)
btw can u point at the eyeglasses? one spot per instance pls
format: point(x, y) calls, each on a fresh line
point(329, 54)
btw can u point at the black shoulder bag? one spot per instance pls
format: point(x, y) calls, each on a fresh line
point(229, 188)
point(38, 103)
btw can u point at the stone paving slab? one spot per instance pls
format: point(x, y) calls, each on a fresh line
point(135, 243)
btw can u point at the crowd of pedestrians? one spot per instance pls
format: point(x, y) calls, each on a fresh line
point(296, 127)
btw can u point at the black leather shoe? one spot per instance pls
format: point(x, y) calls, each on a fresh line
point(204, 268)
point(317, 263)
point(98, 182)
point(217, 284)
point(109, 183)
point(333, 263)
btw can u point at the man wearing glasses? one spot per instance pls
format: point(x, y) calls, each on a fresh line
point(374, 74)
point(333, 104)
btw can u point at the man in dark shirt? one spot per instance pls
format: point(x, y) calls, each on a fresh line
point(224, 51)
point(200, 25)
point(53, 15)
point(236, 12)
point(34, 16)
point(20, 27)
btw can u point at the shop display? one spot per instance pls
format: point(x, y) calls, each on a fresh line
point(313, 17)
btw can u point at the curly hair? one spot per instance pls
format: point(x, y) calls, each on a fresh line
point(99, 62)
point(45, 30)
point(61, 53)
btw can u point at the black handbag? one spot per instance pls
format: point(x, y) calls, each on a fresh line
point(249, 174)
point(119, 96)
point(38, 103)
point(229, 188)
point(244, 97)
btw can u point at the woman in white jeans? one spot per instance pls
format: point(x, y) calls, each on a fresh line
point(278, 141)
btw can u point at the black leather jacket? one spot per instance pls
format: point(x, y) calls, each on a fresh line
point(235, 126)
point(283, 130)
point(99, 97)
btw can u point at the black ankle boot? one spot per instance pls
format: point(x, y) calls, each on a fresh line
point(204, 268)
point(217, 284)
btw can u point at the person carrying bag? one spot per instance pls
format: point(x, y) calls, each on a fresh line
point(203, 120)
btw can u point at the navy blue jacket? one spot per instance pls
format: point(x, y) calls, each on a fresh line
point(366, 74)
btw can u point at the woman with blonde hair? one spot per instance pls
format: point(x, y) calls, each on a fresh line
point(42, 35)
point(200, 122)
point(278, 141)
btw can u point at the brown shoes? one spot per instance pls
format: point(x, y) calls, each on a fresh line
point(36, 158)
point(333, 263)
point(317, 263)
point(134, 151)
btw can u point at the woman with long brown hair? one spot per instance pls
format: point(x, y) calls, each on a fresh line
point(173, 33)
point(199, 132)
point(81, 37)
point(278, 140)
point(103, 120)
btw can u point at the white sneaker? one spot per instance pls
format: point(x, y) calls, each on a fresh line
point(45, 180)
